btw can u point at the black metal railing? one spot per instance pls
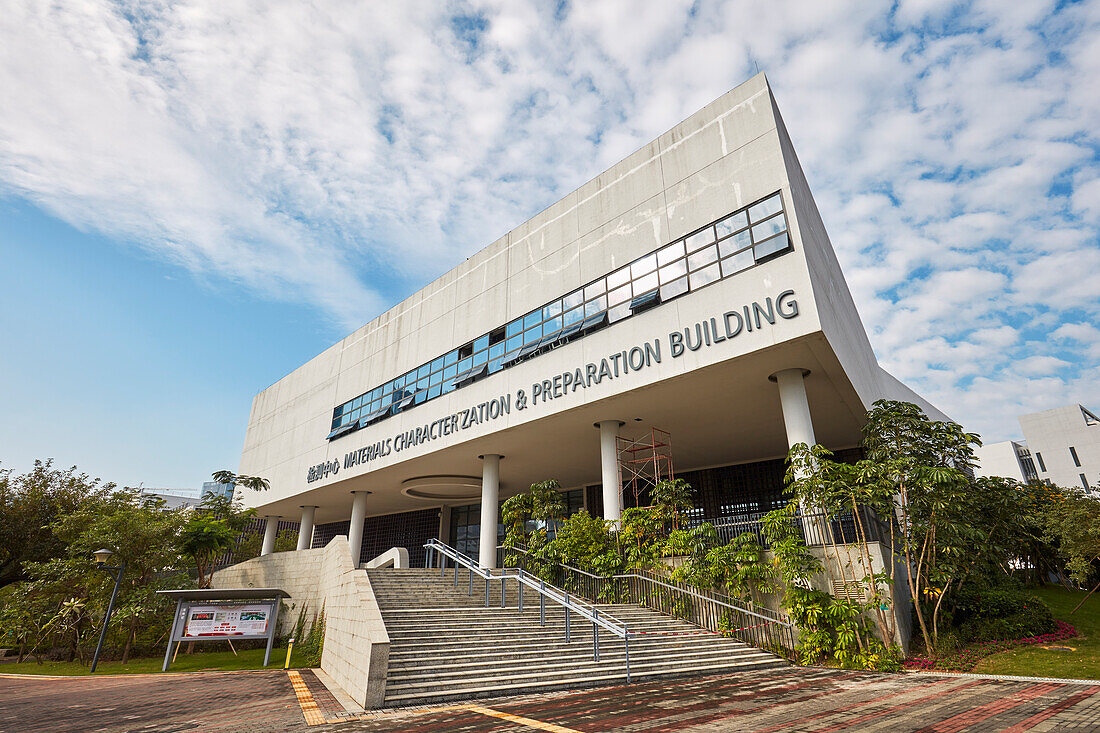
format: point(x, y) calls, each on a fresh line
point(817, 529)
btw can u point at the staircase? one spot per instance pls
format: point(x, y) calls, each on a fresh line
point(447, 645)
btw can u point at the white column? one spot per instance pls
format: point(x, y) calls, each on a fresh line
point(355, 530)
point(305, 530)
point(271, 528)
point(800, 429)
point(490, 492)
point(796, 408)
point(609, 469)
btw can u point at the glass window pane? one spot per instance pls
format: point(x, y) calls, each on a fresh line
point(482, 343)
point(618, 295)
point(480, 358)
point(670, 253)
point(573, 299)
point(450, 371)
point(571, 317)
point(770, 228)
point(593, 307)
point(738, 241)
point(515, 342)
point(551, 326)
point(618, 312)
point(765, 208)
point(737, 263)
point(451, 358)
point(495, 365)
point(702, 277)
point(618, 278)
point(424, 371)
point(552, 309)
point(596, 288)
point(731, 224)
point(496, 350)
point(437, 364)
point(436, 378)
point(702, 258)
point(532, 319)
point(770, 247)
point(673, 271)
point(645, 284)
point(434, 391)
point(464, 364)
point(699, 239)
point(513, 328)
point(643, 266)
point(532, 334)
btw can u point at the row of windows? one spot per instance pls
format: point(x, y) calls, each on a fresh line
point(718, 250)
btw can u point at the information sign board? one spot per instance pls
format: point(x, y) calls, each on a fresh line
point(228, 620)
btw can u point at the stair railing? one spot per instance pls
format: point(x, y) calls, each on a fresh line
point(437, 550)
point(759, 627)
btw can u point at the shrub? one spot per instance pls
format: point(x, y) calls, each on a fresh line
point(1003, 612)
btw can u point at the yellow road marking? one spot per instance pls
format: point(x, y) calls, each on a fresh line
point(529, 722)
point(306, 702)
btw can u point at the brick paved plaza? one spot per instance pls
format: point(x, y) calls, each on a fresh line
point(797, 699)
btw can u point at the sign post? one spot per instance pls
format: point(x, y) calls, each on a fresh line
point(215, 614)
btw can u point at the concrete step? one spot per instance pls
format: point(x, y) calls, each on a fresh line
point(477, 688)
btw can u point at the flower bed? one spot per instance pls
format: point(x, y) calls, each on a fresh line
point(964, 659)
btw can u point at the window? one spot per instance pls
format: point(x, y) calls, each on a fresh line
point(1042, 463)
point(733, 244)
point(1084, 481)
point(1073, 454)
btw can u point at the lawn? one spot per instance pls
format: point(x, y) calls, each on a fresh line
point(198, 662)
point(1082, 663)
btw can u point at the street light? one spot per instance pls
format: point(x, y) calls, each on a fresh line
point(101, 557)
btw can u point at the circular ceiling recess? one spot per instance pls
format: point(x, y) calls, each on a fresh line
point(442, 488)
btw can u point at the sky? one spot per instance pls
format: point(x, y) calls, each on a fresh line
point(198, 197)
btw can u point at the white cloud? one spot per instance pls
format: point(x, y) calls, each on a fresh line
point(339, 153)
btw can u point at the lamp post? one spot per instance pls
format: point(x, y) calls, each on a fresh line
point(101, 564)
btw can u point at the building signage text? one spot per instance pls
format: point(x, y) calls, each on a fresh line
point(706, 333)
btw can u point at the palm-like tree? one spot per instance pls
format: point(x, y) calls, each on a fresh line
point(249, 482)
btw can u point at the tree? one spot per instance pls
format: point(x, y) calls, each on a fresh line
point(1074, 523)
point(255, 483)
point(928, 464)
point(204, 539)
point(30, 504)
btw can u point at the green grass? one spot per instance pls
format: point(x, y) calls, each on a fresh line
point(197, 662)
point(1084, 663)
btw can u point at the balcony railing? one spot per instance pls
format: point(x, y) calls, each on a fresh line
point(817, 529)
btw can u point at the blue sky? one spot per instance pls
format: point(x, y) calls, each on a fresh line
point(197, 197)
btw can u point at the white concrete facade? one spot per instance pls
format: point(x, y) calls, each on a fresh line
point(1065, 443)
point(696, 375)
point(1061, 446)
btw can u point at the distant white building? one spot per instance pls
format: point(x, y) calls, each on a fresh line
point(1061, 446)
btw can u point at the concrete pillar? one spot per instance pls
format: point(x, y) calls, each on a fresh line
point(490, 492)
point(609, 469)
point(305, 530)
point(271, 528)
point(800, 429)
point(355, 530)
point(796, 408)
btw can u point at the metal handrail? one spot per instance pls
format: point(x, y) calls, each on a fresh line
point(760, 627)
point(689, 591)
point(560, 596)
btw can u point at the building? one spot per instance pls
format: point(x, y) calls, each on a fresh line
point(175, 498)
point(213, 488)
point(1062, 447)
point(690, 288)
point(1008, 459)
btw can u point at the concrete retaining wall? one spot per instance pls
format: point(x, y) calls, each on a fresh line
point(357, 647)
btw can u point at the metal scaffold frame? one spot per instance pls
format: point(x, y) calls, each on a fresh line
point(643, 462)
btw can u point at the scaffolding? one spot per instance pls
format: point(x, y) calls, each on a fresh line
point(643, 462)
